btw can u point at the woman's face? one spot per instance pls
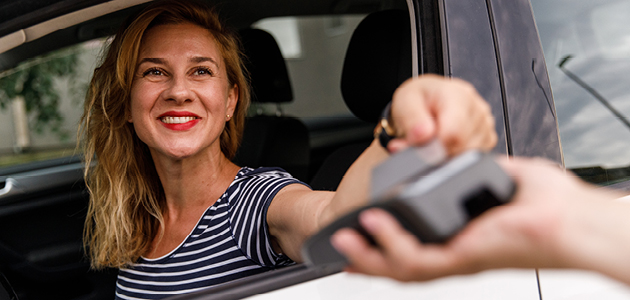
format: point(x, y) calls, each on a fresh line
point(180, 96)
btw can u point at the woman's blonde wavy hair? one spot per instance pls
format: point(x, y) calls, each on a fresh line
point(126, 196)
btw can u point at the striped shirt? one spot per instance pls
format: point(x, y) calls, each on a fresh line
point(230, 241)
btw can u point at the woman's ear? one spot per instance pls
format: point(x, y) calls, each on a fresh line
point(232, 100)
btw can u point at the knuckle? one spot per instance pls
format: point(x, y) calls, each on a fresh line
point(455, 140)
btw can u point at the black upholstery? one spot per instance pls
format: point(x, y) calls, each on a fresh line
point(268, 72)
point(377, 61)
point(271, 141)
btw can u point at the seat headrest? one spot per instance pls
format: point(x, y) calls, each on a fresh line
point(268, 72)
point(377, 61)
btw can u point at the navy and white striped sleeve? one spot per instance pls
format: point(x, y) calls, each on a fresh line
point(249, 201)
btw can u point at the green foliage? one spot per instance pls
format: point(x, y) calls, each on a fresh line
point(34, 80)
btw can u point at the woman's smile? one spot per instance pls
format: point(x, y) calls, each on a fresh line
point(179, 120)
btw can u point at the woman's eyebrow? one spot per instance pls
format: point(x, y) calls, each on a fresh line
point(195, 59)
point(200, 59)
point(152, 60)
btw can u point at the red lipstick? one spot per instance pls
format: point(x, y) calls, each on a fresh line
point(178, 120)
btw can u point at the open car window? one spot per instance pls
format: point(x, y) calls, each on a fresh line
point(41, 102)
point(587, 50)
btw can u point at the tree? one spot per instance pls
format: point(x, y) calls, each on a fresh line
point(34, 80)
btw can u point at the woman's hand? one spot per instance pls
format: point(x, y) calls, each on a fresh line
point(554, 220)
point(450, 110)
point(423, 109)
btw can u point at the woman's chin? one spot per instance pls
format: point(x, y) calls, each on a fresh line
point(179, 153)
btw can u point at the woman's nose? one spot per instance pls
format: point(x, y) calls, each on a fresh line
point(178, 90)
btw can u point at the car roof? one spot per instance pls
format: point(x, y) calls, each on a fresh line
point(15, 15)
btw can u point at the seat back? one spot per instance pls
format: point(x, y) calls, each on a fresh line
point(276, 140)
point(377, 61)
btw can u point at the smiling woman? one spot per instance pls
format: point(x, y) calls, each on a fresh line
point(165, 107)
point(181, 91)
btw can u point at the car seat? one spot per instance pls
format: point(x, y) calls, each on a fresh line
point(271, 140)
point(378, 60)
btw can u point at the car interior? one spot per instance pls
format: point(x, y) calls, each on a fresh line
point(276, 139)
point(42, 256)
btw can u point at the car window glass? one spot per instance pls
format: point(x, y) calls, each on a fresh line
point(41, 101)
point(314, 48)
point(286, 31)
point(587, 50)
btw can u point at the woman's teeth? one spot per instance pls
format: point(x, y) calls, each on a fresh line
point(177, 120)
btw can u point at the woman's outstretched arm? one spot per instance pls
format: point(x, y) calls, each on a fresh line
point(423, 109)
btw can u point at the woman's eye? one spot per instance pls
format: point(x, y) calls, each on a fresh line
point(153, 72)
point(202, 71)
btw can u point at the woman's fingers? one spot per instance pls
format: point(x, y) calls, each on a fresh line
point(412, 116)
point(451, 110)
point(464, 119)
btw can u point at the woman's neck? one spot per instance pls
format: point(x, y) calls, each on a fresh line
point(194, 182)
point(191, 185)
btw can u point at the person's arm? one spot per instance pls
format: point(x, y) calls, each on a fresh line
point(554, 221)
point(422, 109)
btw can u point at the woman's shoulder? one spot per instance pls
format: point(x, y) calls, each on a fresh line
point(272, 172)
point(269, 180)
point(266, 178)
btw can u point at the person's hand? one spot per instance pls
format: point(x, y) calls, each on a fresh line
point(542, 227)
point(451, 110)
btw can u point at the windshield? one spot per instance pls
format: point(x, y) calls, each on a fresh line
point(587, 50)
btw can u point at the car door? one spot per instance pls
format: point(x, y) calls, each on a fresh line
point(43, 199)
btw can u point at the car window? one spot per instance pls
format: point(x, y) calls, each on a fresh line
point(587, 50)
point(314, 48)
point(41, 101)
